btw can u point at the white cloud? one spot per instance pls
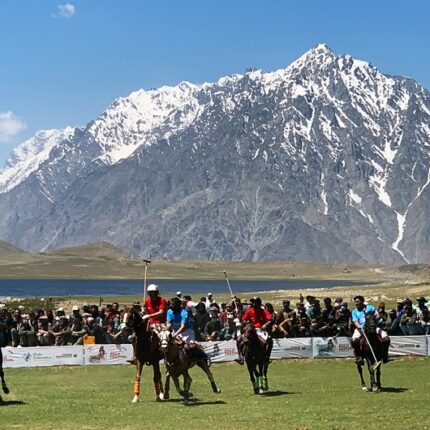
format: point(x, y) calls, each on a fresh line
point(10, 125)
point(66, 10)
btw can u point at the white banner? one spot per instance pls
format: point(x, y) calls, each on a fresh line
point(42, 356)
point(107, 354)
point(220, 351)
point(292, 348)
point(331, 347)
point(408, 345)
point(428, 346)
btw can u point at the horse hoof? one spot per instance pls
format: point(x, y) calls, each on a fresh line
point(158, 398)
point(376, 390)
point(161, 396)
point(255, 390)
point(218, 391)
point(166, 396)
point(6, 390)
point(135, 399)
point(260, 391)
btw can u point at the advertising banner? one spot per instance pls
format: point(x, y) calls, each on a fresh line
point(42, 356)
point(107, 354)
point(408, 345)
point(221, 351)
point(428, 346)
point(331, 347)
point(292, 348)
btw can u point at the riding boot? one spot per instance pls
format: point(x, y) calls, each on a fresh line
point(357, 352)
point(133, 358)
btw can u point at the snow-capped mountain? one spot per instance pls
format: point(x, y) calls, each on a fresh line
point(326, 160)
point(27, 157)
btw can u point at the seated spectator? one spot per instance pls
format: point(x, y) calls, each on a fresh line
point(228, 331)
point(278, 331)
point(409, 321)
point(61, 331)
point(44, 332)
point(91, 328)
point(286, 309)
point(213, 326)
point(27, 335)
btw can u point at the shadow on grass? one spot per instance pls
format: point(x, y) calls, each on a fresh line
point(197, 402)
point(393, 389)
point(11, 402)
point(277, 393)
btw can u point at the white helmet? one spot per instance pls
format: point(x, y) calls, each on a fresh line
point(152, 287)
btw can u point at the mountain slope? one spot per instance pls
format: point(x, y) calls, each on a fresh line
point(326, 160)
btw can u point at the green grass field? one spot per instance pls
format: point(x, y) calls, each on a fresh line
point(304, 394)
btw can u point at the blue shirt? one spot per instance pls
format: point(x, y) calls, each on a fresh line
point(179, 318)
point(360, 316)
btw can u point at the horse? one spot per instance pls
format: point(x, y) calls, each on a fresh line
point(255, 356)
point(147, 352)
point(178, 363)
point(3, 382)
point(371, 341)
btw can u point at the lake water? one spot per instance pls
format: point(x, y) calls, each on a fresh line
point(62, 287)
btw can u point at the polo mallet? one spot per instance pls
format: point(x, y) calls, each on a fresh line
point(377, 363)
point(144, 278)
point(229, 287)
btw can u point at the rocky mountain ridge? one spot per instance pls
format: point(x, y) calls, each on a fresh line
point(326, 160)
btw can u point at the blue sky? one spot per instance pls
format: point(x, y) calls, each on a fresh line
point(63, 62)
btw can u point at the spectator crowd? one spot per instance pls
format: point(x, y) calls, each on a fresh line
point(212, 321)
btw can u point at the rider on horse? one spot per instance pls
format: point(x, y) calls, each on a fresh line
point(260, 319)
point(179, 322)
point(359, 320)
point(155, 308)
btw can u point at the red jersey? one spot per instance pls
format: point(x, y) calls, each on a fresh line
point(153, 306)
point(258, 317)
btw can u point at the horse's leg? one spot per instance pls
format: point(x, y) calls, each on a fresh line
point(378, 377)
point(250, 365)
point(167, 386)
point(260, 382)
point(373, 385)
point(187, 385)
point(360, 372)
point(158, 385)
point(177, 385)
point(3, 382)
point(204, 366)
point(265, 379)
point(139, 367)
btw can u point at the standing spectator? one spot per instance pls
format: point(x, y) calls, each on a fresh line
point(201, 318)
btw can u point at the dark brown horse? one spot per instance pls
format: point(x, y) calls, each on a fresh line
point(255, 355)
point(147, 352)
point(370, 341)
point(178, 361)
point(3, 382)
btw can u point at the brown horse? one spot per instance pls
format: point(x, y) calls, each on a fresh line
point(371, 341)
point(178, 362)
point(147, 352)
point(255, 355)
point(3, 382)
